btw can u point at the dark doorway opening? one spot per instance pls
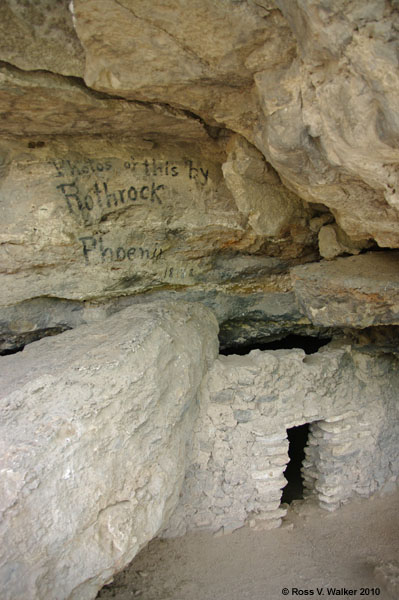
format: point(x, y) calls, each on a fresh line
point(12, 343)
point(308, 343)
point(298, 438)
point(14, 350)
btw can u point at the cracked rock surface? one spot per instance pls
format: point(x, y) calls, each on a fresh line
point(144, 145)
point(240, 155)
point(94, 426)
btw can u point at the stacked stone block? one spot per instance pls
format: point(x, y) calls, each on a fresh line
point(331, 448)
point(269, 453)
point(240, 447)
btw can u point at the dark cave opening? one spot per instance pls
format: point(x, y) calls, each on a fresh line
point(14, 343)
point(8, 351)
point(298, 438)
point(308, 343)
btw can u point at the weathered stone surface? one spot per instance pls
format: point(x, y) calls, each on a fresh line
point(240, 448)
point(94, 429)
point(270, 208)
point(387, 573)
point(313, 85)
point(123, 174)
point(40, 104)
point(314, 107)
point(333, 242)
point(330, 121)
point(84, 219)
point(40, 35)
point(356, 291)
point(87, 221)
point(256, 312)
point(26, 322)
point(156, 52)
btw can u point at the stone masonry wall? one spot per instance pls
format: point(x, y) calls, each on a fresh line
point(114, 433)
point(240, 450)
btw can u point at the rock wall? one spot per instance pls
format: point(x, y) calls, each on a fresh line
point(240, 452)
point(241, 155)
point(114, 433)
point(313, 85)
point(136, 158)
point(94, 428)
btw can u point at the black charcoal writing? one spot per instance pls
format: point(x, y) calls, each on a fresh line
point(178, 272)
point(197, 173)
point(100, 195)
point(94, 250)
point(154, 168)
point(88, 166)
point(71, 195)
point(149, 167)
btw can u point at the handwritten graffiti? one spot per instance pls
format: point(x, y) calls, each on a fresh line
point(145, 168)
point(100, 195)
point(84, 196)
point(94, 251)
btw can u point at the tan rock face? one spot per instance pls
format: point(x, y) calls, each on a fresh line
point(86, 219)
point(270, 208)
point(197, 151)
point(314, 107)
point(200, 56)
point(333, 242)
point(356, 291)
point(88, 207)
point(330, 125)
point(314, 85)
point(90, 219)
point(47, 104)
point(94, 427)
point(40, 35)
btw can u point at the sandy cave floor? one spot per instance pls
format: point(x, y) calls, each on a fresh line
point(355, 547)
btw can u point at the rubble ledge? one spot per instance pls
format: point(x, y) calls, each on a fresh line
point(355, 291)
